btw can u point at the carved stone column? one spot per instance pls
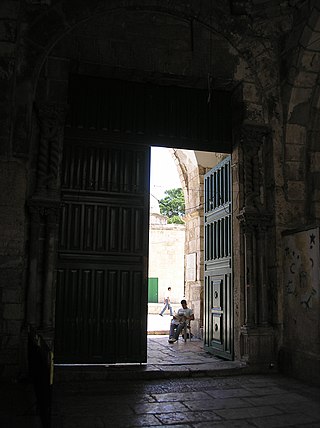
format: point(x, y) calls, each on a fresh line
point(32, 316)
point(256, 336)
point(44, 206)
point(50, 266)
point(51, 123)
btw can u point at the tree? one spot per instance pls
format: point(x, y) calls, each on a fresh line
point(172, 205)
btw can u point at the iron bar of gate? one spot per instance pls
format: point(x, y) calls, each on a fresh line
point(40, 362)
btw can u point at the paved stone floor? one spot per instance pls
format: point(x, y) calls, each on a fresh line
point(179, 359)
point(237, 401)
point(180, 386)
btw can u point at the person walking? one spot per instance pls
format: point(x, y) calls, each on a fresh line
point(167, 304)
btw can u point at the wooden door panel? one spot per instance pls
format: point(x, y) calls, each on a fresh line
point(102, 279)
point(101, 228)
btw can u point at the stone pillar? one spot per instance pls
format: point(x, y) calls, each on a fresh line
point(194, 267)
point(50, 266)
point(51, 123)
point(33, 266)
point(44, 206)
point(256, 334)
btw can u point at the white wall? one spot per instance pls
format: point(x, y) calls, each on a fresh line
point(166, 257)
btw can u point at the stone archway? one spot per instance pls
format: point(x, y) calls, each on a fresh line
point(53, 82)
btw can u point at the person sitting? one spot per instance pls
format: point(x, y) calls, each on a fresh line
point(179, 321)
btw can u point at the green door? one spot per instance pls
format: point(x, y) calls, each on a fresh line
point(102, 289)
point(218, 291)
point(153, 290)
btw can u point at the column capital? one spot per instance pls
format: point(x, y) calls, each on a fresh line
point(253, 218)
point(51, 114)
point(44, 207)
point(253, 134)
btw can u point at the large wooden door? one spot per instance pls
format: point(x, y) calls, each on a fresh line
point(218, 294)
point(102, 281)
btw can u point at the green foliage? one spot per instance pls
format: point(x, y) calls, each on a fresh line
point(175, 220)
point(172, 205)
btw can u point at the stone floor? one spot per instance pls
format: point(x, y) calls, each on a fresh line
point(180, 359)
point(261, 401)
point(180, 386)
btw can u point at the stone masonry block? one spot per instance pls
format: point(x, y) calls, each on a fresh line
point(243, 72)
point(316, 195)
point(296, 213)
point(294, 171)
point(313, 140)
point(12, 311)
point(4, 145)
point(296, 134)
point(314, 161)
point(294, 152)
point(9, 8)
point(11, 295)
point(310, 38)
point(314, 22)
point(250, 93)
point(9, 341)
point(8, 30)
point(7, 50)
point(306, 79)
point(254, 112)
point(311, 61)
point(12, 207)
point(9, 356)
point(12, 183)
point(316, 180)
point(300, 96)
point(10, 273)
point(10, 243)
point(316, 209)
point(296, 190)
point(12, 327)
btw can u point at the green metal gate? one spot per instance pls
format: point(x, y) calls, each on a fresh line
point(101, 307)
point(153, 290)
point(218, 292)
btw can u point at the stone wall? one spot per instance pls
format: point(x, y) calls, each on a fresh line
point(301, 288)
point(269, 49)
point(12, 264)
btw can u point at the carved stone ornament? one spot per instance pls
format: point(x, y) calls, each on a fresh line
point(51, 122)
point(254, 134)
point(253, 220)
point(253, 140)
point(44, 208)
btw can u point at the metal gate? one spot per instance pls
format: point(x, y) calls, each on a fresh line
point(102, 281)
point(218, 294)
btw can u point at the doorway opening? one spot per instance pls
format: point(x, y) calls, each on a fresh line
point(166, 240)
point(177, 251)
point(102, 281)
